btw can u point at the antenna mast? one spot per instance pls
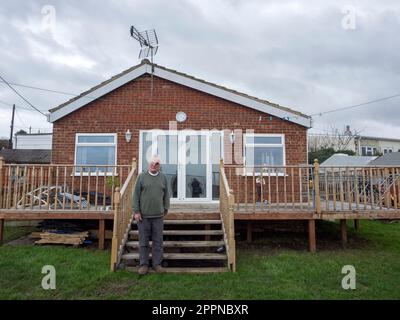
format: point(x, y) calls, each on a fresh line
point(148, 46)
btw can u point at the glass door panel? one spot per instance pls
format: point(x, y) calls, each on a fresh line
point(167, 149)
point(196, 166)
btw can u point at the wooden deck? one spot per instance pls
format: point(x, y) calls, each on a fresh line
point(275, 193)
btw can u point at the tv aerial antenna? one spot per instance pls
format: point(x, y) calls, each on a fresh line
point(148, 46)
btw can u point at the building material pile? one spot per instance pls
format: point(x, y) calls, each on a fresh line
point(49, 237)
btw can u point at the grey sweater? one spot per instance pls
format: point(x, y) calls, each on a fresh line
point(151, 195)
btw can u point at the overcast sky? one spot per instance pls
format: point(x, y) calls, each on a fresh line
point(300, 54)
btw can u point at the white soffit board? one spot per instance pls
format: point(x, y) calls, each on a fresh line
point(177, 78)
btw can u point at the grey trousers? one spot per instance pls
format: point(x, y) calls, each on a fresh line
point(151, 228)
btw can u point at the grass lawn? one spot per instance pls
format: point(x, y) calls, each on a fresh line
point(271, 268)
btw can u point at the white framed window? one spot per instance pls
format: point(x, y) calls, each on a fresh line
point(264, 150)
point(95, 149)
point(387, 150)
point(368, 151)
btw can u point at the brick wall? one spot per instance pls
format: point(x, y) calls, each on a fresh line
point(133, 107)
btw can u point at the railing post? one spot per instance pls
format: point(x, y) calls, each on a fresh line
point(232, 244)
point(115, 238)
point(2, 163)
point(133, 165)
point(316, 187)
point(387, 188)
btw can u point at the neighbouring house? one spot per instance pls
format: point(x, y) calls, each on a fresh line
point(26, 156)
point(361, 145)
point(41, 141)
point(370, 146)
point(190, 123)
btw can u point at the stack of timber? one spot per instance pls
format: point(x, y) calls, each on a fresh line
point(49, 237)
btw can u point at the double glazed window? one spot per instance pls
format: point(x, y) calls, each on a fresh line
point(95, 150)
point(264, 150)
point(368, 151)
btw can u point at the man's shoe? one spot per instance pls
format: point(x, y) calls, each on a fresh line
point(159, 269)
point(143, 270)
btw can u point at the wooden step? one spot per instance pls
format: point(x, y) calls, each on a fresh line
point(180, 256)
point(198, 270)
point(181, 244)
point(189, 221)
point(185, 232)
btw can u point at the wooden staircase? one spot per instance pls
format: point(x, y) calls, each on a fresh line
point(190, 246)
point(198, 238)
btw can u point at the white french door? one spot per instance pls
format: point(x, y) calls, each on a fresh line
point(189, 159)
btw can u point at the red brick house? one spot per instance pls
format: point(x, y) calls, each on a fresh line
point(189, 122)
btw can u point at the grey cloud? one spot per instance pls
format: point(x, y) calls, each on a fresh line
point(289, 52)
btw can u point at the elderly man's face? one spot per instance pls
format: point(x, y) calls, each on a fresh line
point(154, 166)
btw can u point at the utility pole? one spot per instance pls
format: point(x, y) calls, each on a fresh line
point(10, 142)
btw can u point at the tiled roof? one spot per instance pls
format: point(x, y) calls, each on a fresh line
point(340, 159)
point(388, 159)
point(26, 156)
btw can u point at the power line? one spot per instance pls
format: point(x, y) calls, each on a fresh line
point(21, 96)
point(19, 107)
point(286, 118)
point(356, 105)
point(19, 117)
point(42, 89)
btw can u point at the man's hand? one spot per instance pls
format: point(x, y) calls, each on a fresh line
point(138, 216)
point(165, 212)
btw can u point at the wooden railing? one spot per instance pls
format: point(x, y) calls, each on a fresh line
point(123, 215)
point(313, 188)
point(271, 188)
point(367, 188)
point(59, 187)
point(226, 203)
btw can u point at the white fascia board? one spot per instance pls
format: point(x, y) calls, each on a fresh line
point(75, 105)
point(230, 96)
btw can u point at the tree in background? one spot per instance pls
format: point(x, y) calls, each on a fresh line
point(337, 139)
point(325, 153)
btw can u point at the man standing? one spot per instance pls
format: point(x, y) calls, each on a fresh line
point(150, 205)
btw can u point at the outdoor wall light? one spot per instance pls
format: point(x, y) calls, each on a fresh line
point(128, 136)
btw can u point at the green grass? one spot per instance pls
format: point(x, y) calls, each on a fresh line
point(265, 271)
point(12, 233)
